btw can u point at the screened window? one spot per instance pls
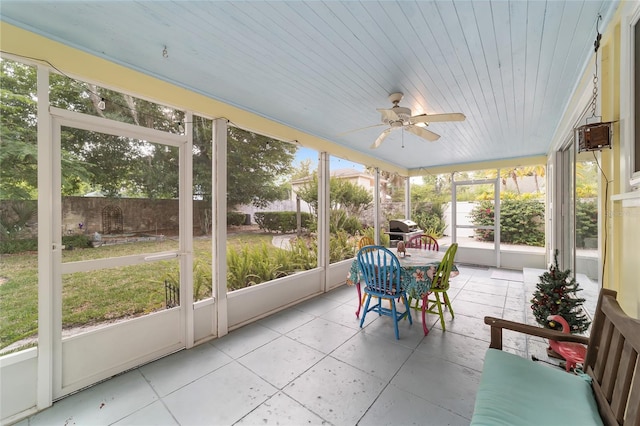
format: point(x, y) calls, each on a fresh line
point(18, 207)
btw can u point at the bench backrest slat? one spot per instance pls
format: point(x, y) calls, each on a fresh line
point(633, 410)
point(613, 363)
point(628, 363)
point(604, 345)
point(596, 339)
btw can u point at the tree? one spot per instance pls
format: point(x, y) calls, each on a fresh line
point(343, 195)
point(158, 177)
point(256, 168)
point(303, 170)
point(537, 172)
point(435, 189)
point(556, 295)
point(121, 166)
point(18, 132)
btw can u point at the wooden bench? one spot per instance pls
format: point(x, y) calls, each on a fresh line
point(518, 391)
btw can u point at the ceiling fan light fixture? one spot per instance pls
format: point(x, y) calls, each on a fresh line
point(402, 112)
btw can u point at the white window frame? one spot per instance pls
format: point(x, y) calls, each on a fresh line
point(629, 141)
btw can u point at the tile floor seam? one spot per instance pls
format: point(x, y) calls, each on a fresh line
point(376, 377)
point(427, 400)
point(308, 408)
point(160, 398)
point(295, 378)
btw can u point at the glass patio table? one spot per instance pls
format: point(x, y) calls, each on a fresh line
point(418, 268)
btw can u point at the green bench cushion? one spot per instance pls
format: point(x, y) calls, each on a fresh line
point(517, 391)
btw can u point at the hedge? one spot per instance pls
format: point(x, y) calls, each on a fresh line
point(521, 221)
point(283, 222)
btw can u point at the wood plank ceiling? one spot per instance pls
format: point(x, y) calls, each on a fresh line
point(325, 67)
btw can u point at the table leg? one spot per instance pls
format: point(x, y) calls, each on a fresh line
point(425, 301)
point(359, 300)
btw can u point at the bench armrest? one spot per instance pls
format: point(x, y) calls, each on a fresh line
point(497, 324)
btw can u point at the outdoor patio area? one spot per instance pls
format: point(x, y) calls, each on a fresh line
point(313, 364)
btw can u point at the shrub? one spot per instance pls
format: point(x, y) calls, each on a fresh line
point(235, 218)
point(283, 222)
point(76, 241)
point(339, 220)
point(521, 221)
point(430, 218)
point(586, 221)
point(18, 246)
point(14, 219)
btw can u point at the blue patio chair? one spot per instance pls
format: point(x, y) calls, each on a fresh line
point(380, 271)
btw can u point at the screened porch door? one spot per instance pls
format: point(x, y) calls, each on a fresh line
point(120, 257)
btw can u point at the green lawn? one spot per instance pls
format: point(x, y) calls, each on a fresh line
point(97, 296)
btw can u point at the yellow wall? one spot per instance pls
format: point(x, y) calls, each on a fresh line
point(629, 264)
point(621, 229)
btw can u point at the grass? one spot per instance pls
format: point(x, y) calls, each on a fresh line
point(97, 296)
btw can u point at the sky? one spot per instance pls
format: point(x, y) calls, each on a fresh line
point(334, 163)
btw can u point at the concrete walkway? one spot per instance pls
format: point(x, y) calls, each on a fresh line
point(282, 240)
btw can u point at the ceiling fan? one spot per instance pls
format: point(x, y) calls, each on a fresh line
point(398, 117)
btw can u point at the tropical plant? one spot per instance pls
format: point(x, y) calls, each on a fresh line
point(304, 253)
point(341, 246)
point(202, 279)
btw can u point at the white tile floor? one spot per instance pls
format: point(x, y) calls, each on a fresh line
point(313, 364)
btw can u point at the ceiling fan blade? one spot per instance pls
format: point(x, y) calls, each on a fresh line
point(388, 115)
point(435, 118)
point(361, 128)
point(423, 133)
point(381, 138)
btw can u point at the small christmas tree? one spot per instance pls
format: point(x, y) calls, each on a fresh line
point(556, 295)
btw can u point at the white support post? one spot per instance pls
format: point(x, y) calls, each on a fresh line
point(323, 216)
point(219, 225)
point(496, 218)
point(186, 230)
point(454, 209)
point(46, 247)
point(407, 198)
point(376, 207)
